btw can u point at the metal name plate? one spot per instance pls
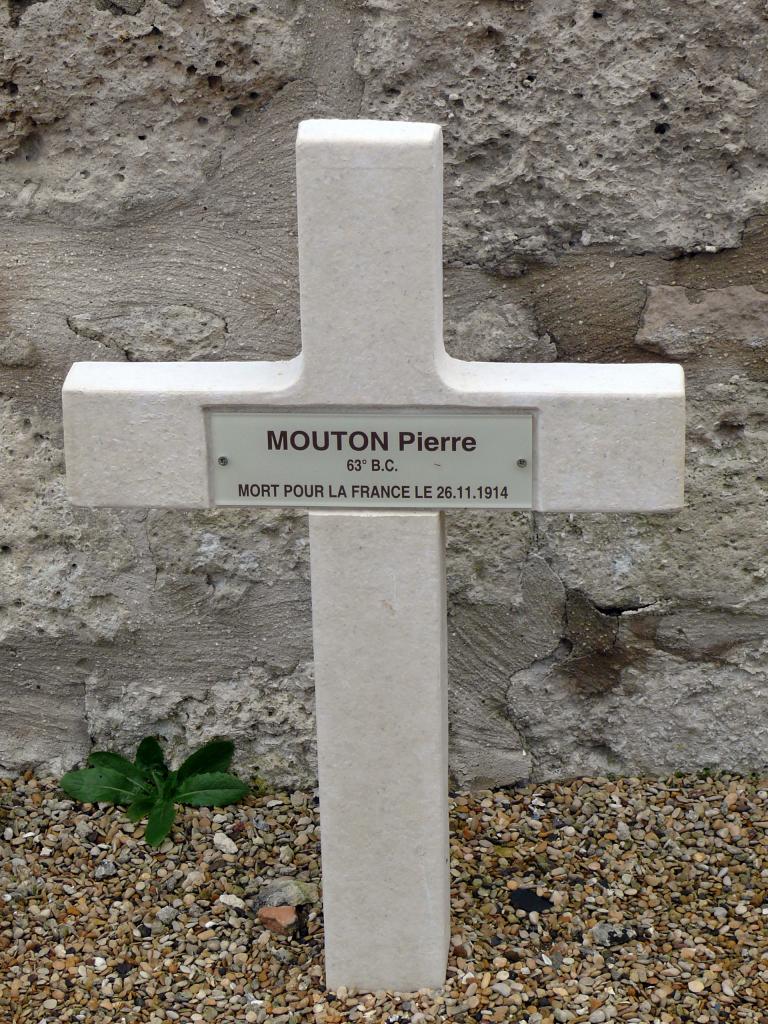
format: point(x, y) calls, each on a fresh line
point(371, 459)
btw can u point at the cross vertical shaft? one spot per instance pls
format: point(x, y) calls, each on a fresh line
point(379, 619)
point(370, 196)
point(370, 223)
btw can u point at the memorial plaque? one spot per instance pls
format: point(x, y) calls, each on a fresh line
point(392, 459)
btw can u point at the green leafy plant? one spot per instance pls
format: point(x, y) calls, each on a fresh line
point(149, 789)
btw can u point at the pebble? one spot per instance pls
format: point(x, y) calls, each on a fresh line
point(676, 899)
point(606, 934)
point(230, 900)
point(280, 920)
point(222, 842)
point(105, 869)
point(286, 892)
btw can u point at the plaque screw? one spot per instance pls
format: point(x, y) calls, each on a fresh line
point(522, 463)
point(222, 460)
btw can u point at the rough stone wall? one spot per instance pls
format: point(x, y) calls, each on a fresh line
point(606, 192)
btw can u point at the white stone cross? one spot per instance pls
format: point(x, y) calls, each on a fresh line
point(599, 438)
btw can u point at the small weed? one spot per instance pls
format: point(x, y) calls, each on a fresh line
point(148, 788)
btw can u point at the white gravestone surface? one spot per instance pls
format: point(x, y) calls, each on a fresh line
point(377, 428)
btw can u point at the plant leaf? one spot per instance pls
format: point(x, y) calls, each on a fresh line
point(150, 755)
point(211, 789)
point(215, 756)
point(160, 820)
point(141, 807)
point(169, 786)
point(94, 785)
point(106, 759)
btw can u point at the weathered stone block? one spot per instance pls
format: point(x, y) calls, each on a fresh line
point(581, 154)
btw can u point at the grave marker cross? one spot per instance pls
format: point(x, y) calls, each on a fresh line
point(565, 437)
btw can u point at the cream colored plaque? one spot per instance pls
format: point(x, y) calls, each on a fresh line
point(429, 460)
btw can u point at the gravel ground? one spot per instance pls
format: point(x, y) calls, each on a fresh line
point(652, 896)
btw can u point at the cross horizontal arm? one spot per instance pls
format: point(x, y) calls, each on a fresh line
point(135, 433)
point(606, 437)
